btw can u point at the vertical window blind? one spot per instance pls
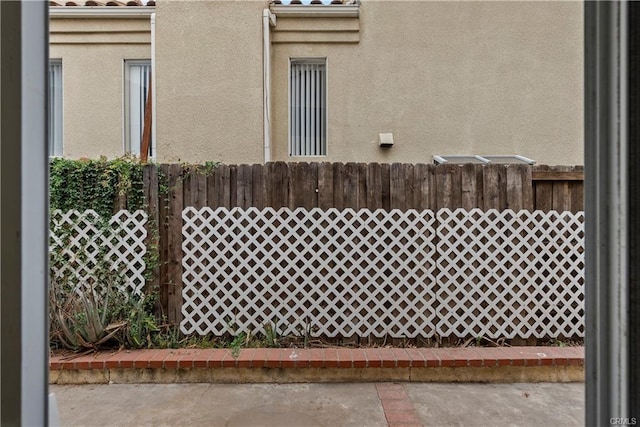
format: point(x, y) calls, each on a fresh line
point(308, 107)
point(138, 75)
point(55, 107)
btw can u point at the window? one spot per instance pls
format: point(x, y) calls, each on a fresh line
point(136, 90)
point(55, 107)
point(307, 107)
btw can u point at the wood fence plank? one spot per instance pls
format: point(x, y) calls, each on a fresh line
point(502, 186)
point(258, 191)
point(174, 296)
point(374, 186)
point(221, 196)
point(212, 188)
point(576, 189)
point(225, 186)
point(514, 188)
point(527, 187)
point(362, 186)
point(543, 195)
point(150, 178)
point(186, 175)
point(244, 190)
point(480, 186)
point(325, 185)
point(277, 181)
point(449, 186)
point(469, 186)
point(491, 184)
point(397, 186)
point(163, 249)
point(198, 189)
point(409, 186)
point(350, 185)
point(302, 186)
point(385, 191)
point(338, 185)
point(422, 178)
point(313, 184)
point(233, 185)
point(561, 195)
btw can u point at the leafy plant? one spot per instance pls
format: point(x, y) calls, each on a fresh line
point(85, 317)
point(236, 345)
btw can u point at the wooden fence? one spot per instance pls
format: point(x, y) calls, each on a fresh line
point(338, 185)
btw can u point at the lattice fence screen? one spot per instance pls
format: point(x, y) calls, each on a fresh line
point(397, 273)
point(508, 274)
point(80, 243)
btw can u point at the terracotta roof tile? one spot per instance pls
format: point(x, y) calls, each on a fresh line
point(99, 3)
point(312, 2)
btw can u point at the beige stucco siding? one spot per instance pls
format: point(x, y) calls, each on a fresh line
point(449, 78)
point(93, 52)
point(209, 81)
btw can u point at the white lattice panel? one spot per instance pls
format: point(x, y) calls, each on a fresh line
point(77, 236)
point(334, 272)
point(508, 274)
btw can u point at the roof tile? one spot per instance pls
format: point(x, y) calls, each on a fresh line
point(98, 3)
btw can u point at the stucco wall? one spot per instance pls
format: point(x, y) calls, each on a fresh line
point(448, 78)
point(209, 81)
point(468, 77)
point(93, 53)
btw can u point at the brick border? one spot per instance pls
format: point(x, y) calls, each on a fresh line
point(329, 364)
point(398, 408)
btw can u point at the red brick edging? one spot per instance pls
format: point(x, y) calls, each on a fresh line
point(336, 358)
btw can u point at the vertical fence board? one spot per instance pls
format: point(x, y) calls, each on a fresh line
point(527, 186)
point(561, 196)
point(576, 189)
point(302, 186)
point(198, 189)
point(325, 185)
point(409, 185)
point(186, 178)
point(258, 191)
point(422, 183)
point(502, 186)
point(220, 196)
point(397, 186)
point(480, 186)
point(163, 246)
point(490, 186)
point(338, 185)
point(543, 195)
point(233, 185)
point(350, 189)
point(469, 186)
point(244, 187)
point(514, 188)
point(277, 183)
point(212, 196)
point(313, 184)
point(150, 179)
point(362, 186)
point(174, 252)
point(448, 186)
point(385, 179)
point(374, 186)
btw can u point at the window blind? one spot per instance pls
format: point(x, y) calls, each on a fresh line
point(307, 113)
point(55, 108)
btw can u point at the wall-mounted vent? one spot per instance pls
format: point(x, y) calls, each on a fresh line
point(496, 159)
